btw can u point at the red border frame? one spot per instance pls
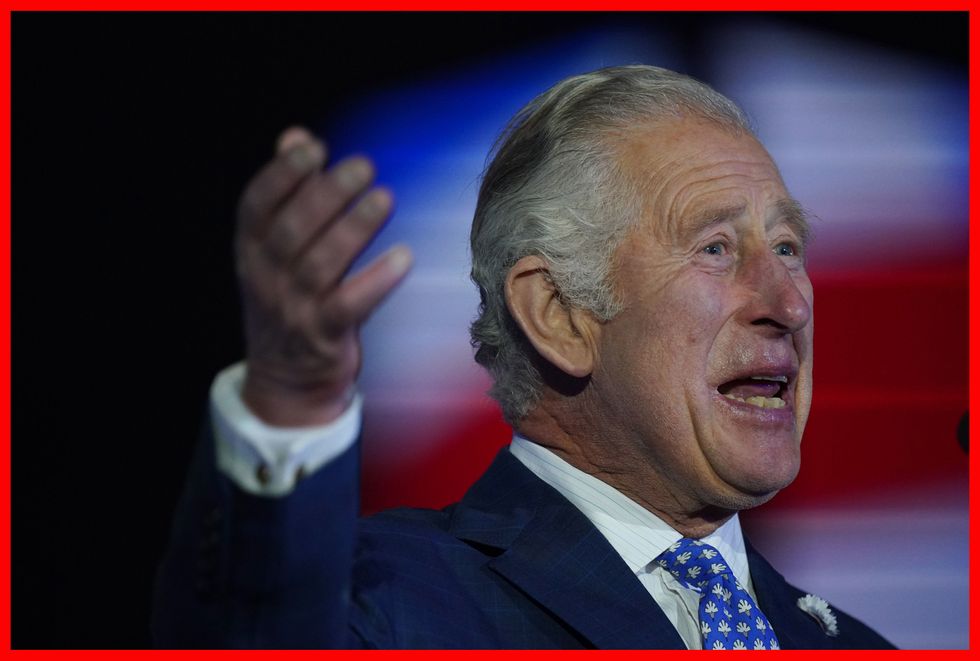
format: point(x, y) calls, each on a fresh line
point(423, 5)
point(485, 5)
point(974, 314)
point(5, 335)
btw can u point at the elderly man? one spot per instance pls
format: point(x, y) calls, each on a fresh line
point(646, 316)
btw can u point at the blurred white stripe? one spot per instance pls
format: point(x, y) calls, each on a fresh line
point(902, 570)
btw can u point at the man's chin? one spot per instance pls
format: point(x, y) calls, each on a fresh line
point(754, 500)
point(750, 489)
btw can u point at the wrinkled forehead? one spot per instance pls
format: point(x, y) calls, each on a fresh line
point(650, 153)
point(686, 168)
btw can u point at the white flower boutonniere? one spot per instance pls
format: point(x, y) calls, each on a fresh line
point(820, 611)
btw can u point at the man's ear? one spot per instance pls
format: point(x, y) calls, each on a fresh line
point(564, 335)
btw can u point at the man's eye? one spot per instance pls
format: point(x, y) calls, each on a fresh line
point(714, 249)
point(786, 250)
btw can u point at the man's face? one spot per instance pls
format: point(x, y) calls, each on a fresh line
point(705, 377)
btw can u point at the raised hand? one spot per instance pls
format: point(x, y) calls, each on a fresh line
point(299, 230)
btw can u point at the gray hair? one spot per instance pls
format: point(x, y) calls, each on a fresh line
point(555, 188)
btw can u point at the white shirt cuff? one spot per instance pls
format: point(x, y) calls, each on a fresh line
point(266, 460)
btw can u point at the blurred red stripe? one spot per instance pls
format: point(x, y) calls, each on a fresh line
point(890, 385)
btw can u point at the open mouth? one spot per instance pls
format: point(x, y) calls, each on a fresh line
point(768, 392)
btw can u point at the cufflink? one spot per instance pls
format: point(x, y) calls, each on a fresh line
point(262, 474)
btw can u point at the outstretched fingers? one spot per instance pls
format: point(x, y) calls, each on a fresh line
point(299, 231)
point(329, 254)
point(358, 296)
point(298, 155)
point(319, 202)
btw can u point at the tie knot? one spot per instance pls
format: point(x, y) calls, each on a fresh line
point(693, 563)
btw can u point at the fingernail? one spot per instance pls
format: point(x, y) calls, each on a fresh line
point(399, 259)
point(378, 201)
point(304, 157)
point(355, 173)
point(291, 137)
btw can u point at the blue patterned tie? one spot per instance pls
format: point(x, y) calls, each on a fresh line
point(730, 620)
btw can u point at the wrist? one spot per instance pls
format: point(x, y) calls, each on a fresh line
point(282, 404)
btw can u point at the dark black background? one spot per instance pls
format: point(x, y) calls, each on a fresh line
point(132, 137)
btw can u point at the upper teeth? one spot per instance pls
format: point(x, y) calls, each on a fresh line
point(781, 379)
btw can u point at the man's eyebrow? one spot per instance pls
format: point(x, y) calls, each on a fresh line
point(789, 211)
point(710, 216)
point(793, 214)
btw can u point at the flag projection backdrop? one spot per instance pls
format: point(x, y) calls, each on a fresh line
point(873, 142)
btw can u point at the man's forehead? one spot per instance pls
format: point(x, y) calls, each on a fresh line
point(678, 134)
point(696, 171)
point(670, 153)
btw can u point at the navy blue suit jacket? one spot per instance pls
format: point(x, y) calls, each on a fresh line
point(512, 565)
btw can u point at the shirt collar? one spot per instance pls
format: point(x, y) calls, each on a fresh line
point(636, 533)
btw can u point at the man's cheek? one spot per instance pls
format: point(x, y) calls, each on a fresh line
point(698, 313)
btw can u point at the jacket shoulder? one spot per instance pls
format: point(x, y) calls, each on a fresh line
point(417, 585)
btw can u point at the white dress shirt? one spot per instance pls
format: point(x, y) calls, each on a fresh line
point(637, 535)
point(266, 460)
point(269, 461)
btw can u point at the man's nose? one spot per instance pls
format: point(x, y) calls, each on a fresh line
point(776, 299)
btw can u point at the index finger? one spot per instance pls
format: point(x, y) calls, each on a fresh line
point(298, 155)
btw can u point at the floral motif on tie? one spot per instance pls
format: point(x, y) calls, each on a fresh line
point(730, 619)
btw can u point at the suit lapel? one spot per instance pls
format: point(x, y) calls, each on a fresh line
point(777, 599)
point(554, 554)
